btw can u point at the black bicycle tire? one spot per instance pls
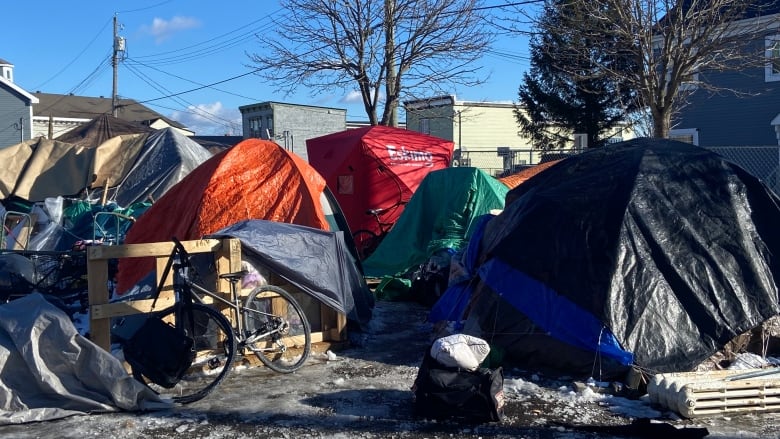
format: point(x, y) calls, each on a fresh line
point(251, 323)
point(365, 241)
point(180, 393)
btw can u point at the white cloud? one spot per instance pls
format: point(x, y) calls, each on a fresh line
point(162, 29)
point(210, 119)
point(352, 98)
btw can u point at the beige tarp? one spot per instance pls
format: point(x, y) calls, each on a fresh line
point(40, 168)
point(37, 169)
point(115, 157)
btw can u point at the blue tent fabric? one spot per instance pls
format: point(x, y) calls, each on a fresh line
point(551, 312)
point(455, 298)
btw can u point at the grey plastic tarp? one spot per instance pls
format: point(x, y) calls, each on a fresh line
point(166, 157)
point(314, 260)
point(49, 371)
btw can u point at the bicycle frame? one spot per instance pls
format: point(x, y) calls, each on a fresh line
point(271, 333)
point(237, 309)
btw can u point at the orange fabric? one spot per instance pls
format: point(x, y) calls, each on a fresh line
point(514, 180)
point(255, 179)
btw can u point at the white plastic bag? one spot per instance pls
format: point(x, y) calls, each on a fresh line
point(460, 350)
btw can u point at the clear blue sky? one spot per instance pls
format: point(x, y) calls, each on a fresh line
point(175, 46)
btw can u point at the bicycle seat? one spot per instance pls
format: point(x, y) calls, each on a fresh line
point(233, 277)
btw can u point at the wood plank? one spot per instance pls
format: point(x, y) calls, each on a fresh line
point(97, 291)
point(153, 249)
point(118, 309)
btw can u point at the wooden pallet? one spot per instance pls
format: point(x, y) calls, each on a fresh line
point(700, 394)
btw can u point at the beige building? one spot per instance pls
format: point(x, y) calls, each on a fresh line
point(486, 134)
point(478, 129)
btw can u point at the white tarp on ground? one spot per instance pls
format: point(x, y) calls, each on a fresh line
point(49, 371)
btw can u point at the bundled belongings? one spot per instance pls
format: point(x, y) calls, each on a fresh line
point(461, 351)
point(451, 385)
point(158, 351)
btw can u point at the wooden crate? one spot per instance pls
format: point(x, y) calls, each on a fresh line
point(227, 257)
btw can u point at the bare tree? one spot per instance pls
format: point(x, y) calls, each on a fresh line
point(389, 50)
point(675, 43)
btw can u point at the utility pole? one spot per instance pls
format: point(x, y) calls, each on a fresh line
point(119, 46)
point(20, 126)
point(390, 83)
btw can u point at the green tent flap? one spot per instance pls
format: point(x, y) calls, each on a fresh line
point(439, 215)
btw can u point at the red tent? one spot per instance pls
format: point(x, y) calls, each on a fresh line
point(376, 167)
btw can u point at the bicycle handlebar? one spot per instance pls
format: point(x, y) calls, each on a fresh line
point(379, 210)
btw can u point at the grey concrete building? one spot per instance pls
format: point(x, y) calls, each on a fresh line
point(290, 125)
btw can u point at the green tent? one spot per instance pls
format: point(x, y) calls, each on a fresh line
point(439, 216)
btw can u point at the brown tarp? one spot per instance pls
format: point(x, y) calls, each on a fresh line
point(100, 129)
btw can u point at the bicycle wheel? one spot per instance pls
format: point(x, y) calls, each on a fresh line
point(214, 343)
point(278, 331)
point(365, 242)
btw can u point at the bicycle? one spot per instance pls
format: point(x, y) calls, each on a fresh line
point(60, 276)
point(269, 323)
point(366, 241)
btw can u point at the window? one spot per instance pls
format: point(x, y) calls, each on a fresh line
point(772, 58)
point(687, 135)
point(425, 126)
point(269, 127)
point(255, 127)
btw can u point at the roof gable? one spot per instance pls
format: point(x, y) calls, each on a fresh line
point(18, 91)
point(86, 107)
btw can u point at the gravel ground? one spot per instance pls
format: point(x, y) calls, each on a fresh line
point(363, 391)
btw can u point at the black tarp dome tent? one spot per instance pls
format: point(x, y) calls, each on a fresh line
point(650, 253)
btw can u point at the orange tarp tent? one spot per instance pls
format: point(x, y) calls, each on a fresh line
point(516, 179)
point(255, 179)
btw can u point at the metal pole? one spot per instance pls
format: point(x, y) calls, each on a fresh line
point(460, 132)
point(114, 66)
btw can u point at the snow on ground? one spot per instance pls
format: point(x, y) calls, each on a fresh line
point(363, 391)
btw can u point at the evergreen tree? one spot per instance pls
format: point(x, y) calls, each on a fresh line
point(563, 92)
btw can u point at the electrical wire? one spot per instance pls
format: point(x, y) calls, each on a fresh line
point(136, 62)
point(198, 111)
point(185, 53)
point(202, 87)
point(75, 58)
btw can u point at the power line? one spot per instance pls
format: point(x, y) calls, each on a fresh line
point(75, 58)
point(133, 61)
point(145, 8)
point(198, 111)
point(158, 58)
point(201, 88)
